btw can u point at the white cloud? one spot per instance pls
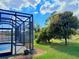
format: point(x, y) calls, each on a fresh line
point(48, 7)
point(18, 4)
point(34, 3)
point(69, 5)
point(44, 8)
point(64, 5)
point(36, 12)
point(2, 6)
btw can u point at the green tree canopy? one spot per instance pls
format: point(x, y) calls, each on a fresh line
point(62, 25)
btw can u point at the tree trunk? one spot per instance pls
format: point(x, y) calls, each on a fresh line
point(48, 41)
point(65, 41)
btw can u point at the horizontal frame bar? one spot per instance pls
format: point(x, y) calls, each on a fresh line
point(6, 28)
point(15, 12)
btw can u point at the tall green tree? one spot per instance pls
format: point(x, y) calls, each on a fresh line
point(42, 37)
point(37, 28)
point(62, 25)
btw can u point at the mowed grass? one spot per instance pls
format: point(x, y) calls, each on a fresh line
point(57, 50)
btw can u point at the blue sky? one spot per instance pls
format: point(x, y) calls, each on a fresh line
point(41, 9)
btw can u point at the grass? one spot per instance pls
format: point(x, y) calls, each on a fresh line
point(57, 50)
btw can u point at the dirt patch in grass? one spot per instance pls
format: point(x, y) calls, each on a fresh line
point(39, 52)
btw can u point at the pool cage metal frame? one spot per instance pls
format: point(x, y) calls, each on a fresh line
point(20, 23)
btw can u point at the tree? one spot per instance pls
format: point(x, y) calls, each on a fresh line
point(37, 28)
point(62, 25)
point(42, 37)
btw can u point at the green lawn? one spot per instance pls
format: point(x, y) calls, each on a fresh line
point(57, 50)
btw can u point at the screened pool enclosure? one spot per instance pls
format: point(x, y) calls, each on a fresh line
point(16, 32)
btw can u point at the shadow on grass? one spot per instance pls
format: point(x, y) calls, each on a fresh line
point(70, 49)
